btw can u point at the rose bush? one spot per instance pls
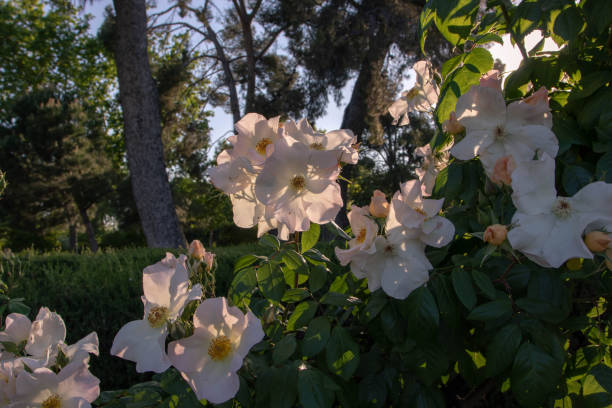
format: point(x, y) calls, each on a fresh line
point(484, 282)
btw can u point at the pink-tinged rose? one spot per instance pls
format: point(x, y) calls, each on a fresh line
point(502, 171)
point(549, 229)
point(597, 241)
point(9, 370)
point(48, 330)
point(452, 125)
point(360, 247)
point(16, 330)
point(533, 110)
point(419, 98)
point(166, 293)
point(491, 79)
point(431, 165)
point(74, 386)
point(379, 206)
point(342, 141)
point(299, 185)
point(209, 359)
point(256, 137)
point(494, 130)
point(196, 249)
point(495, 234)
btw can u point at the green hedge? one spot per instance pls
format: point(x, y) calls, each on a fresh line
point(98, 292)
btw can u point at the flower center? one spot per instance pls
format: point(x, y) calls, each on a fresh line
point(562, 208)
point(158, 316)
point(298, 183)
point(260, 147)
point(361, 236)
point(413, 93)
point(388, 249)
point(420, 211)
point(52, 402)
point(316, 146)
point(219, 348)
point(499, 133)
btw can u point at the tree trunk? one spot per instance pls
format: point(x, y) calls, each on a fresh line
point(358, 114)
point(91, 234)
point(142, 124)
point(73, 238)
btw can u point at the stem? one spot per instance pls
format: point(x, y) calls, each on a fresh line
point(297, 248)
point(511, 31)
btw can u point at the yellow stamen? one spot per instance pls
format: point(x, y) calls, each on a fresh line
point(298, 183)
point(219, 348)
point(157, 316)
point(52, 402)
point(260, 147)
point(420, 211)
point(413, 93)
point(361, 236)
point(317, 146)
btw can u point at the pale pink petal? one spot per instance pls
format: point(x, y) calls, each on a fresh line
point(214, 390)
point(190, 353)
point(533, 184)
point(491, 79)
point(472, 144)
point(47, 330)
point(533, 110)
point(481, 108)
point(76, 382)
point(16, 328)
point(252, 334)
point(212, 314)
point(139, 342)
point(400, 278)
point(442, 232)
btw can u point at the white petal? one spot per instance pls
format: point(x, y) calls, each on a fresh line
point(481, 108)
point(399, 278)
point(533, 185)
point(17, 327)
point(190, 353)
point(251, 335)
point(441, 232)
point(47, 330)
point(472, 144)
point(216, 391)
point(139, 342)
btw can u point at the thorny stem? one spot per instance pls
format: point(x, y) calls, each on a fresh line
point(519, 44)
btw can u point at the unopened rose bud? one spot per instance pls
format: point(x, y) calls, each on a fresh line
point(491, 80)
point(538, 97)
point(495, 234)
point(196, 249)
point(597, 241)
point(502, 171)
point(452, 125)
point(379, 207)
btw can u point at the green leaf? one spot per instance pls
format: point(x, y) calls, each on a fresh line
point(574, 178)
point(489, 37)
point(244, 262)
point(284, 349)
point(425, 21)
point(302, 315)
point(526, 18)
point(375, 304)
point(373, 390)
point(454, 19)
point(283, 387)
point(603, 375)
point(502, 349)
point(598, 14)
point(495, 310)
point(242, 286)
point(295, 295)
point(316, 336)
point(271, 281)
point(604, 168)
point(568, 23)
point(318, 277)
point(339, 299)
point(421, 310)
point(342, 353)
point(484, 283)
point(534, 375)
point(293, 259)
point(270, 241)
point(315, 389)
point(337, 231)
point(315, 257)
point(480, 59)
point(450, 65)
point(464, 288)
point(541, 309)
point(517, 82)
point(310, 237)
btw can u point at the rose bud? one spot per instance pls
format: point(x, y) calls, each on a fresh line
point(196, 249)
point(597, 241)
point(502, 172)
point(379, 207)
point(495, 234)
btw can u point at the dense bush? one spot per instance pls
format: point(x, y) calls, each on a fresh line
point(97, 292)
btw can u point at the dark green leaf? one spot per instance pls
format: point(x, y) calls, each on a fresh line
point(316, 336)
point(342, 353)
point(373, 391)
point(271, 281)
point(603, 375)
point(244, 261)
point(318, 277)
point(464, 288)
point(534, 375)
point(242, 286)
point(270, 241)
point(283, 387)
point(339, 299)
point(568, 23)
point(502, 349)
point(375, 304)
point(302, 315)
point(294, 295)
point(574, 178)
point(484, 283)
point(454, 19)
point(284, 349)
point(421, 311)
point(496, 310)
point(315, 389)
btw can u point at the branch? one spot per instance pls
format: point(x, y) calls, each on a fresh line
point(512, 34)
